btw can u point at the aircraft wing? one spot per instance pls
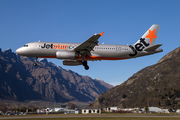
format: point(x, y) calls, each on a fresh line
point(88, 45)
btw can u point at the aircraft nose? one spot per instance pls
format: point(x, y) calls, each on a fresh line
point(18, 51)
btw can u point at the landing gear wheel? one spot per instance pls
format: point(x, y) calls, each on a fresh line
point(34, 64)
point(85, 65)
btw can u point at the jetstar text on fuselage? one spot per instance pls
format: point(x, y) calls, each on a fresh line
point(54, 46)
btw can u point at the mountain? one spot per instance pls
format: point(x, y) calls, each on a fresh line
point(156, 85)
point(21, 81)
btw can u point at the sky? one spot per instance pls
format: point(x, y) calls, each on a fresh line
point(122, 21)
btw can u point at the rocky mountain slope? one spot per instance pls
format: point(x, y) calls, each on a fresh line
point(21, 81)
point(156, 85)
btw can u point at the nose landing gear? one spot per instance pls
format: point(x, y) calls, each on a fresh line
point(35, 63)
point(85, 65)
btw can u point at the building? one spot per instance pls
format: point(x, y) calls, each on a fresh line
point(165, 110)
point(110, 109)
point(91, 111)
point(76, 111)
point(178, 111)
point(157, 110)
point(113, 108)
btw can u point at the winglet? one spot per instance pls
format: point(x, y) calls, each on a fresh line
point(101, 34)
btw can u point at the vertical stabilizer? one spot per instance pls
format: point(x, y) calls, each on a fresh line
point(149, 38)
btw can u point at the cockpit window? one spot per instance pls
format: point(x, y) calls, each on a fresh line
point(25, 45)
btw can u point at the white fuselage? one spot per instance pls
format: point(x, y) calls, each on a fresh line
point(79, 54)
point(100, 52)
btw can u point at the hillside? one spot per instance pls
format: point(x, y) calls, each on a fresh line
point(21, 81)
point(156, 85)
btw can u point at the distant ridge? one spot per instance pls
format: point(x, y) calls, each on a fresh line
point(21, 81)
point(156, 85)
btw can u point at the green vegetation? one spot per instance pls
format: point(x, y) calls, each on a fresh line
point(167, 102)
point(146, 109)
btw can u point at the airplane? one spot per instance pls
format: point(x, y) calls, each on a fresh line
point(74, 54)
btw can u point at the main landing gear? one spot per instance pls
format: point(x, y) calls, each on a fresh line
point(85, 65)
point(35, 63)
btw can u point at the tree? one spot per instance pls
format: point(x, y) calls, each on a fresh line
point(3, 107)
point(71, 105)
point(124, 95)
point(23, 109)
point(170, 110)
point(109, 109)
point(159, 103)
point(162, 97)
point(33, 109)
point(90, 105)
point(169, 94)
point(146, 109)
point(177, 93)
point(167, 102)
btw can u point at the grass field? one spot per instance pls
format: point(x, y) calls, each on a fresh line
point(104, 118)
point(95, 117)
point(100, 118)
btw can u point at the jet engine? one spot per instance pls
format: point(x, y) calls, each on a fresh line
point(66, 55)
point(72, 62)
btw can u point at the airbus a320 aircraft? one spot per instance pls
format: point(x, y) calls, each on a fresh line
point(78, 54)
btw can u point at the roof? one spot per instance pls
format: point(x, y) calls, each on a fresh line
point(155, 109)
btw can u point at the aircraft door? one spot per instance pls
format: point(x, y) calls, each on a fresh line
point(118, 48)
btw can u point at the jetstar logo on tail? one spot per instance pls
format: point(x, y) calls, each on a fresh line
point(151, 35)
point(142, 43)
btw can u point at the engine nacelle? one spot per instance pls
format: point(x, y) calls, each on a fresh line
point(72, 62)
point(66, 55)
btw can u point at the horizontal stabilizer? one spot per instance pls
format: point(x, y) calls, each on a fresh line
point(152, 48)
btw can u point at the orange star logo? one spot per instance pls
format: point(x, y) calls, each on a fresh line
point(151, 35)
